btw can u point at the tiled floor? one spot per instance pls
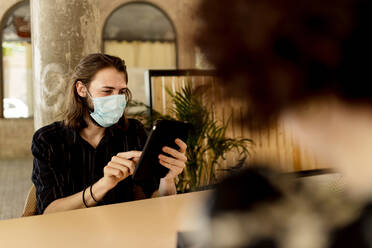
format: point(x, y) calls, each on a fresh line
point(15, 181)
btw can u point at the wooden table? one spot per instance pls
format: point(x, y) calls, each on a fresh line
point(145, 223)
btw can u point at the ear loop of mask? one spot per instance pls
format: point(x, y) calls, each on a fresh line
point(86, 101)
point(87, 91)
point(91, 110)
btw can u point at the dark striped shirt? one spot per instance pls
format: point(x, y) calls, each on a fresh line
point(64, 163)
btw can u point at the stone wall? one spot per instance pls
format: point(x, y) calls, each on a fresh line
point(15, 138)
point(5, 6)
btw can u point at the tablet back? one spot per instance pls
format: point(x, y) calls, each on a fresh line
point(163, 134)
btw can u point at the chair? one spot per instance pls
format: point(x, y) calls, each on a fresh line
point(30, 203)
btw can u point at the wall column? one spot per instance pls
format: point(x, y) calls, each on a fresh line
point(63, 31)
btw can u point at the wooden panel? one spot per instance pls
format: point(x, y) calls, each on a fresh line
point(272, 146)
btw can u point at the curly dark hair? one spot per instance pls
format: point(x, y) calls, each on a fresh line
point(275, 54)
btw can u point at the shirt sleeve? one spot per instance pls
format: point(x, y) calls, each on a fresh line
point(151, 185)
point(44, 176)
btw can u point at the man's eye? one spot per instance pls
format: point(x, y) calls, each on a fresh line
point(107, 91)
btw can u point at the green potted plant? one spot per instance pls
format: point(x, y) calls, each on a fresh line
point(207, 142)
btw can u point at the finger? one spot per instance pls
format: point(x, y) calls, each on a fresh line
point(135, 160)
point(124, 169)
point(182, 145)
point(130, 154)
point(111, 171)
point(171, 167)
point(176, 154)
point(172, 161)
point(128, 163)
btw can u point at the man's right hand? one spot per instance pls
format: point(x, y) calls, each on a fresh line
point(120, 167)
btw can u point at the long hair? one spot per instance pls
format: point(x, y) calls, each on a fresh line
point(75, 108)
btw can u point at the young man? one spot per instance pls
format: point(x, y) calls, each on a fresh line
point(87, 158)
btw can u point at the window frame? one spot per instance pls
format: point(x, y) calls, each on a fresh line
point(3, 20)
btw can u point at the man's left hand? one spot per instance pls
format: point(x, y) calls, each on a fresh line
point(177, 162)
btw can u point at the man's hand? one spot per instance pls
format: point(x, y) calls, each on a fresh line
point(120, 167)
point(177, 162)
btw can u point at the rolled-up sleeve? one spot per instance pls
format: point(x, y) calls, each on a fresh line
point(44, 175)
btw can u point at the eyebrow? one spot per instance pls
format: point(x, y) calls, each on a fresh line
point(112, 88)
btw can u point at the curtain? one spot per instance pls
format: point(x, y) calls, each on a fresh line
point(144, 54)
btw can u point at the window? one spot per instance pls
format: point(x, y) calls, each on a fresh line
point(17, 89)
point(145, 38)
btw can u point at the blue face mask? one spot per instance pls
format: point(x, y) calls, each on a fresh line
point(108, 109)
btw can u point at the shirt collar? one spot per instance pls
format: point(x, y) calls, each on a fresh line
point(111, 132)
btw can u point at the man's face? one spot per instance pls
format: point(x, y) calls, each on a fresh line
point(106, 82)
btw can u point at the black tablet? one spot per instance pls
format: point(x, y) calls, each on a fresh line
point(162, 134)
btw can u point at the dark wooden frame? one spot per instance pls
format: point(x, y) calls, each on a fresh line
point(171, 73)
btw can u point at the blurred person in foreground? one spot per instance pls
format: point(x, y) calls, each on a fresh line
point(307, 63)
